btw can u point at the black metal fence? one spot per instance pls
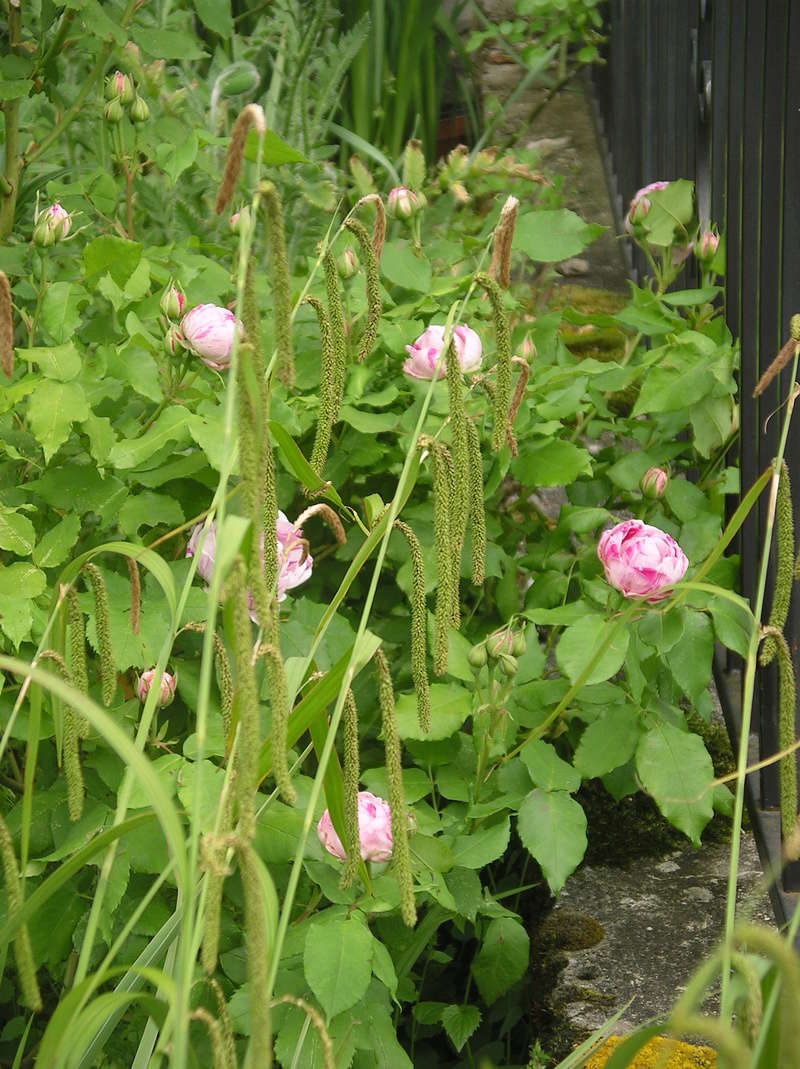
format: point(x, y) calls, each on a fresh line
point(710, 90)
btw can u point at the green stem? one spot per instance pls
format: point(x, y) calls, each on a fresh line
point(747, 708)
point(39, 299)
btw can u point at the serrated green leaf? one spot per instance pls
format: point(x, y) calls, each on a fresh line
point(460, 1022)
point(547, 769)
point(274, 152)
point(579, 644)
point(551, 463)
point(60, 314)
point(482, 845)
point(552, 827)
point(148, 510)
point(168, 44)
point(338, 963)
point(450, 707)
point(549, 236)
point(401, 266)
point(676, 770)
point(502, 959)
point(21, 580)
point(60, 362)
point(52, 409)
point(171, 426)
point(17, 533)
point(54, 547)
point(608, 742)
point(216, 14)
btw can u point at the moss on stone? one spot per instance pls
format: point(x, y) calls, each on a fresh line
point(658, 1054)
point(567, 930)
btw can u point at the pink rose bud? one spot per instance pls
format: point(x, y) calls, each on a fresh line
point(641, 561)
point(640, 205)
point(203, 546)
point(240, 220)
point(500, 641)
point(173, 339)
point(209, 331)
point(654, 482)
point(374, 830)
point(424, 353)
point(402, 203)
point(146, 681)
point(347, 264)
point(705, 248)
point(52, 225)
point(140, 112)
point(119, 87)
point(172, 302)
point(527, 350)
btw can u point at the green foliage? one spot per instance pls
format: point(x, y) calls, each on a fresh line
point(111, 431)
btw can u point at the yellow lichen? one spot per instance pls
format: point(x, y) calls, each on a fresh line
point(661, 1053)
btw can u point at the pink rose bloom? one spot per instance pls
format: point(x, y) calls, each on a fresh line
point(424, 353)
point(640, 204)
point(374, 830)
point(641, 561)
point(209, 331)
point(295, 563)
point(168, 683)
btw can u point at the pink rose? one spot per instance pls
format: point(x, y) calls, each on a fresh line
point(640, 204)
point(209, 331)
point(51, 225)
point(295, 563)
point(374, 830)
point(168, 683)
point(424, 353)
point(641, 561)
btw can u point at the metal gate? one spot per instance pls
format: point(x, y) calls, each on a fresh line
point(710, 90)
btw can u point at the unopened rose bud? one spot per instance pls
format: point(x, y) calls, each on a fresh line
point(52, 225)
point(705, 248)
point(113, 111)
point(240, 220)
point(402, 203)
point(638, 211)
point(119, 87)
point(347, 264)
point(518, 644)
point(500, 642)
point(508, 665)
point(140, 112)
point(654, 482)
point(173, 339)
point(172, 302)
point(146, 680)
point(477, 655)
point(528, 350)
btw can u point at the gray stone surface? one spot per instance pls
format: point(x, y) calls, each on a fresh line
point(660, 919)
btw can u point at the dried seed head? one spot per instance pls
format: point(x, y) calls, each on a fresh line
point(136, 593)
point(23, 954)
point(419, 660)
point(516, 400)
point(279, 721)
point(370, 332)
point(784, 570)
point(379, 226)
point(352, 772)
point(226, 1024)
point(328, 515)
point(401, 858)
point(6, 327)
point(500, 267)
point(477, 515)
point(219, 1055)
point(251, 115)
point(327, 389)
point(102, 622)
point(281, 288)
point(778, 364)
point(502, 395)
